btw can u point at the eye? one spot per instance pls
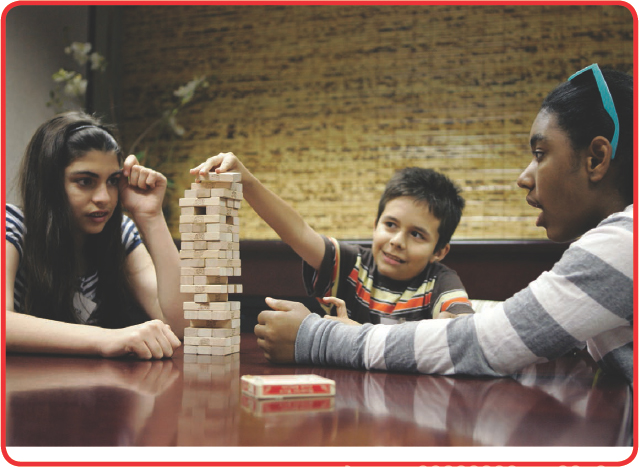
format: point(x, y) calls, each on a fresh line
point(418, 235)
point(389, 224)
point(538, 155)
point(113, 181)
point(84, 181)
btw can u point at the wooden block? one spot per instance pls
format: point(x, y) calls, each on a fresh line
point(196, 210)
point(216, 306)
point(211, 315)
point(223, 228)
point(208, 332)
point(215, 254)
point(198, 193)
point(217, 324)
point(192, 263)
point(222, 210)
point(223, 177)
point(203, 271)
point(233, 186)
point(208, 350)
point(208, 289)
point(187, 280)
point(209, 236)
point(214, 201)
point(205, 280)
point(205, 219)
point(193, 228)
point(223, 245)
point(210, 297)
point(223, 263)
point(212, 341)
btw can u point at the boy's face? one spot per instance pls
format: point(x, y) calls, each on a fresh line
point(404, 239)
point(557, 182)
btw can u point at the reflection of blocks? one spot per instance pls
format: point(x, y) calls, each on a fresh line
point(210, 254)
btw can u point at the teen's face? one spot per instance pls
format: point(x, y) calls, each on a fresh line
point(404, 239)
point(556, 183)
point(91, 183)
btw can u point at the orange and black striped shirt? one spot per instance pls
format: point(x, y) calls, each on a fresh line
point(348, 272)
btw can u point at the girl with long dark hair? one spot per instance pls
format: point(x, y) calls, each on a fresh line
point(73, 259)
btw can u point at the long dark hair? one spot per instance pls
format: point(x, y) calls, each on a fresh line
point(49, 261)
point(578, 106)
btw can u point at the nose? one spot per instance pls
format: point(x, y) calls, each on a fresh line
point(397, 240)
point(101, 195)
point(526, 179)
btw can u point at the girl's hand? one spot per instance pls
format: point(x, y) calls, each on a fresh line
point(141, 189)
point(340, 308)
point(150, 340)
point(223, 162)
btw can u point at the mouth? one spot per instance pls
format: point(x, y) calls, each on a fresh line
point(533, 203)
point(392, 258)
point(98, 215)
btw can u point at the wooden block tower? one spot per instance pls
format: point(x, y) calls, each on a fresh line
point(210, 254)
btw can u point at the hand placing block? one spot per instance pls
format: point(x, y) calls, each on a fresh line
point(209, 255)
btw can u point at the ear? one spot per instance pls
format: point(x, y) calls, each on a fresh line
point(440, 254)
point(598, 158)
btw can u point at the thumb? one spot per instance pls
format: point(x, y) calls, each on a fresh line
point(279, 305)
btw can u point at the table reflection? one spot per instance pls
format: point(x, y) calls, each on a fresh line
point(196, 401)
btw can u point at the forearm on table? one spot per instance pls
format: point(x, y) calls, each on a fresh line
point(289, 225)
point(25, 333)
point(166, 261)
point(429, 346)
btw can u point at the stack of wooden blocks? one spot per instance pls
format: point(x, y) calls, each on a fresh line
point(210, 254)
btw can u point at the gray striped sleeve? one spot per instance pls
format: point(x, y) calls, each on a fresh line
point(599, 280)
point(327, 342)
point(536, 328)
point(465, 351)
point(399, 351)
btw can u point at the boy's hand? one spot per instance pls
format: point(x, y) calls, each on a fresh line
point(141, 189)
point(276, 330)
point(340, 308)
point(223, 162)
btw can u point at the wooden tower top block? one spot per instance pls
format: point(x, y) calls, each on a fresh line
point(224, 177)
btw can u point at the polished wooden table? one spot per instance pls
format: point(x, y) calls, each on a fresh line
point(60, 401)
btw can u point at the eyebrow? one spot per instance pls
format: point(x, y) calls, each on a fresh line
point(88, 173)
point(535, 138)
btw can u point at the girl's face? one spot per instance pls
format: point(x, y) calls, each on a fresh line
point(557, 182)
point(91, 183)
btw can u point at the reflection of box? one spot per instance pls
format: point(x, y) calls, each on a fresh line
point(269, 386)
point(262, 407)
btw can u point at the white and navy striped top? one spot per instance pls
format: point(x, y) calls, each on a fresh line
point(88, 284)
point(587, 297)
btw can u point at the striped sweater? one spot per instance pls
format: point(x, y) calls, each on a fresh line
point(348, 272)
point(587, 297)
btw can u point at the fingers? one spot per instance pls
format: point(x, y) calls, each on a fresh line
point(223, 162)
point(339, 304)
point(144, 178)
point(129, 162)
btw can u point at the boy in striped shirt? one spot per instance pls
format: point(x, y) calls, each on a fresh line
point(400, 278)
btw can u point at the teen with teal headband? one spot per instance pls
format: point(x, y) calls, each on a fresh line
point(583, 186)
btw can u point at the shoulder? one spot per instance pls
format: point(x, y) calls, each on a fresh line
point(15, 214)
point(15, 226)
